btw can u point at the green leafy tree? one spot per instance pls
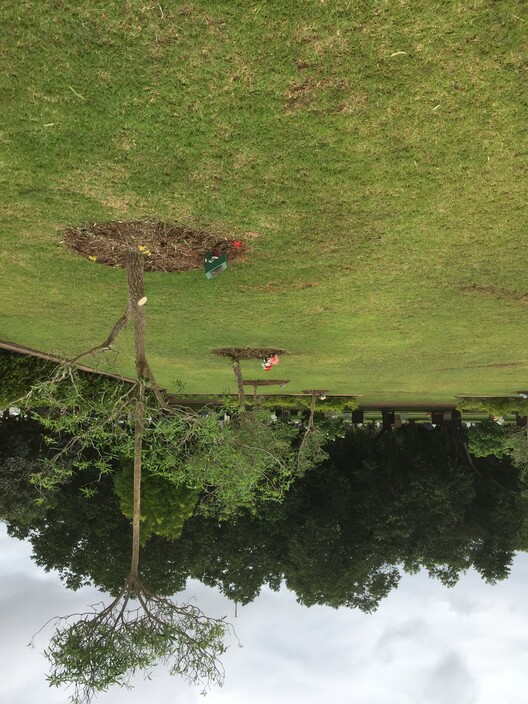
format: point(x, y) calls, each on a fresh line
point(494, 405)
point(489, 438)
point(108, 646)
point(87, 540)
point(139, 628)
point(378, 506)
point(164, 506)
point(252, 461)
point(518, 443)
point(233, 466)
point(21, 443)
point(311, 445)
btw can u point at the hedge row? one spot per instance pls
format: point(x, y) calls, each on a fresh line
point(18, 373)
point(336, 404)
point(495, 406)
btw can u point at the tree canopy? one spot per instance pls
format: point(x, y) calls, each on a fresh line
point(164, 506)
point(489, 438)
point(18, 372)
point(21, 451)
point(379, 505)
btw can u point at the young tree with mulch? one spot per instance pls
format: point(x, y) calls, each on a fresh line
point(139, 629)
point(235, 354)
point(278, 452)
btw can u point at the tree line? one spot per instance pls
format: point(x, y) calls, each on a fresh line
point(380, 505)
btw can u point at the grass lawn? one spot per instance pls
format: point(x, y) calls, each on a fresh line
point(371, 154)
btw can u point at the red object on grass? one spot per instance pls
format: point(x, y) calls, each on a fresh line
point(238, 244)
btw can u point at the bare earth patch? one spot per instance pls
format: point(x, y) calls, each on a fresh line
point(274, 287)
point(167, 247)
point(248, 352)
point(498, 365)
point(496, 292)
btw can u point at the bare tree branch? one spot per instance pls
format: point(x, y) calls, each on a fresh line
point(121, 324)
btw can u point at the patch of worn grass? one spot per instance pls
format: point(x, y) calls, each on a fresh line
point(377, 150)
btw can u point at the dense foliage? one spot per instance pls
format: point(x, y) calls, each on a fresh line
point(21, 448)
point(494, 405)
point(165, 506)
point(489, 438)
point(251, 461)
point(18, 373)
point(107, 647)
point(518, 443)
point(233, 466)
point(381, 504)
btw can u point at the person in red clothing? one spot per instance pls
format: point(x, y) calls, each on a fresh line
point(268, 361)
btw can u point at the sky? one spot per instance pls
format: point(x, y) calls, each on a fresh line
point(425, 645)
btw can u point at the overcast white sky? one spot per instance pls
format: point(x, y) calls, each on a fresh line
point(425, 645)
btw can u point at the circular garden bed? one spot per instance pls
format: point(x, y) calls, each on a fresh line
point(166, 246)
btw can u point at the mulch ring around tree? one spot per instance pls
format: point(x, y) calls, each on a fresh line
point(166, 246)
point(248, 352)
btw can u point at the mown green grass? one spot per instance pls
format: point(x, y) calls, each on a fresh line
point(394, 183)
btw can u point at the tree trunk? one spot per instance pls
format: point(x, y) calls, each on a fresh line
point(138, 445)
point(135, 268)
point(312, 413)
point(136, 291)
point(240, 383)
